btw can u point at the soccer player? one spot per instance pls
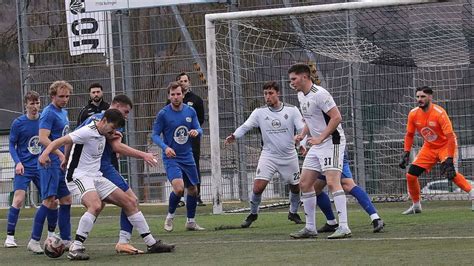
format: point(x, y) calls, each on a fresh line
point(350, 187)
point(24, 149)
point(440, 145)
point(196, 102)
point(178, 122)
point(53, 124)
point(327, 142)
point(84, 179)
point(277, 122)
point(124, 105)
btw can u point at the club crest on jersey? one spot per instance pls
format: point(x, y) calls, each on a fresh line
point(34, 146)
point(286, 116)
point(181, 135)
point(276, 123)
point(100, 148)
point(65, 130)
point(431, 123)
point(304, 108)
point(428, 134)
point(189, 119)
point(190, 103)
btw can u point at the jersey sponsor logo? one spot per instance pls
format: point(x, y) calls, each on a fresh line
point(65, 130)
point(181, 135)
point(428, 134)
point(189, 119)
point(34, 146)
point(276, 123)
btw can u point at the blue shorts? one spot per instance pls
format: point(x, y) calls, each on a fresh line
point(114, 176)
point(346, 172)
point(22, 182)
point(53, 183)
point(187, 172)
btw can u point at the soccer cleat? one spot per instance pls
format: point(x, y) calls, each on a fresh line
point(304, 233)
point(378, 225)
point(160, 247)
point(295, 218)
point(200, 203)
point(341, 232)
point(77, 254)
point(126, 248)
point(413, 210)
point(181, 204)
point(193, 226)
point(328, 228)
point(67, 244)
point(35, 247)
point(10, 242)
point(168, 224)
point(249, 220)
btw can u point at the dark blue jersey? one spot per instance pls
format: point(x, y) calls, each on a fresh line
point(175, 127)
point(56, 121)
point(24, 142)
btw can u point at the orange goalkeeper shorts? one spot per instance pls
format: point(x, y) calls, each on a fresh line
point(428, 157)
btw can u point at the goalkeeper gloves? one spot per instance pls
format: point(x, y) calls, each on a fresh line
point(405, 160)
point(447, 168)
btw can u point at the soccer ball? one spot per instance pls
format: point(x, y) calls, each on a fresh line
point(54, 247)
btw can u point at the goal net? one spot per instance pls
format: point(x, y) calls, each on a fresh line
point(369, 56)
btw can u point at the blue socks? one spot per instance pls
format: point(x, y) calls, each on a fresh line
point(64, 221)
point(38, 222)
point(125, 224)
point(173, 202)
point(255, 203)
point(363, 200)
point(52, 219)
point(191, 203)
point(12, 220)
point(324, 203)
point(294, 202)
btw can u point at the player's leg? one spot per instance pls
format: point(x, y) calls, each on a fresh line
point(109, 193)
point(20, 185)
point(324, 203)
point(266, 168)
point(49, 185)
point(309, 174)
point(64, 214)
point(196, 146)
point(290, 172)
point(52, 217)
point(175, 177)
point(190, 179)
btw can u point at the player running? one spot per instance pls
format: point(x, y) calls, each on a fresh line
point(178, 123)
point(327, 142)
point(277, 122)
point(440, 145)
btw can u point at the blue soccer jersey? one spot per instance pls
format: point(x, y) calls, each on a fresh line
point(175, 127)
point(56, 121)
point(24, 142)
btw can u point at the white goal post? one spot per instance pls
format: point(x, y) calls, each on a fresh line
point(212, 65)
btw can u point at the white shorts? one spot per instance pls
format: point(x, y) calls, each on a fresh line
point(289, 169)
point(81, 185)
point(325, 156)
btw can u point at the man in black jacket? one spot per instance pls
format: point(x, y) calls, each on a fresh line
point(96, 103)
point(193, 100)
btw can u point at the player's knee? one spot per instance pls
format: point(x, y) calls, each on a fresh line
point(66, 200)
point(18, 202)
point(50, 202)
point(415, 170)
point(192, 190)
point(295, 189)
point(95, 208)
point(348, 186)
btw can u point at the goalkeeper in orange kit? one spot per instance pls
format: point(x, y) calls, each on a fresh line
point(433, 124)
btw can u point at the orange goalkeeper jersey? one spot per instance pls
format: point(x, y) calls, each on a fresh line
point(433, 125)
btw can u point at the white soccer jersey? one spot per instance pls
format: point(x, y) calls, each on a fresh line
point(314, 107)
point(277, 127)
point(86, 152)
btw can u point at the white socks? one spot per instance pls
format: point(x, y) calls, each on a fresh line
point(309, 205)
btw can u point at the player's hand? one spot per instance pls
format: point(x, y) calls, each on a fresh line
point(170, 152)
point(298, 138)
point(150, 159)
point(314, 141)
point(44, 160)
point(302, 150)
point(405, 160)
point(193, 133)
point(448, 169)
point(229, 139)
point(19, 169)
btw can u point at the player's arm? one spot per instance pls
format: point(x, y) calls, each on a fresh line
point(196, 128)
point(408, 141)
point(45, 141)
point(335, 119)
point(13, 141)
point(126, 150)
point(447, 166)
point(52, 147)
point(199, 107)
point(158, 126)
point(250, 123)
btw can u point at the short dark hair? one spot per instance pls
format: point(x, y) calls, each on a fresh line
point(300, 69)
point(122, 99)
point(173, 85)
point(31, 96)
point(425, 89)
point(178, 77)
point(115, 117)
point(95, 85)
point(271, 85)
